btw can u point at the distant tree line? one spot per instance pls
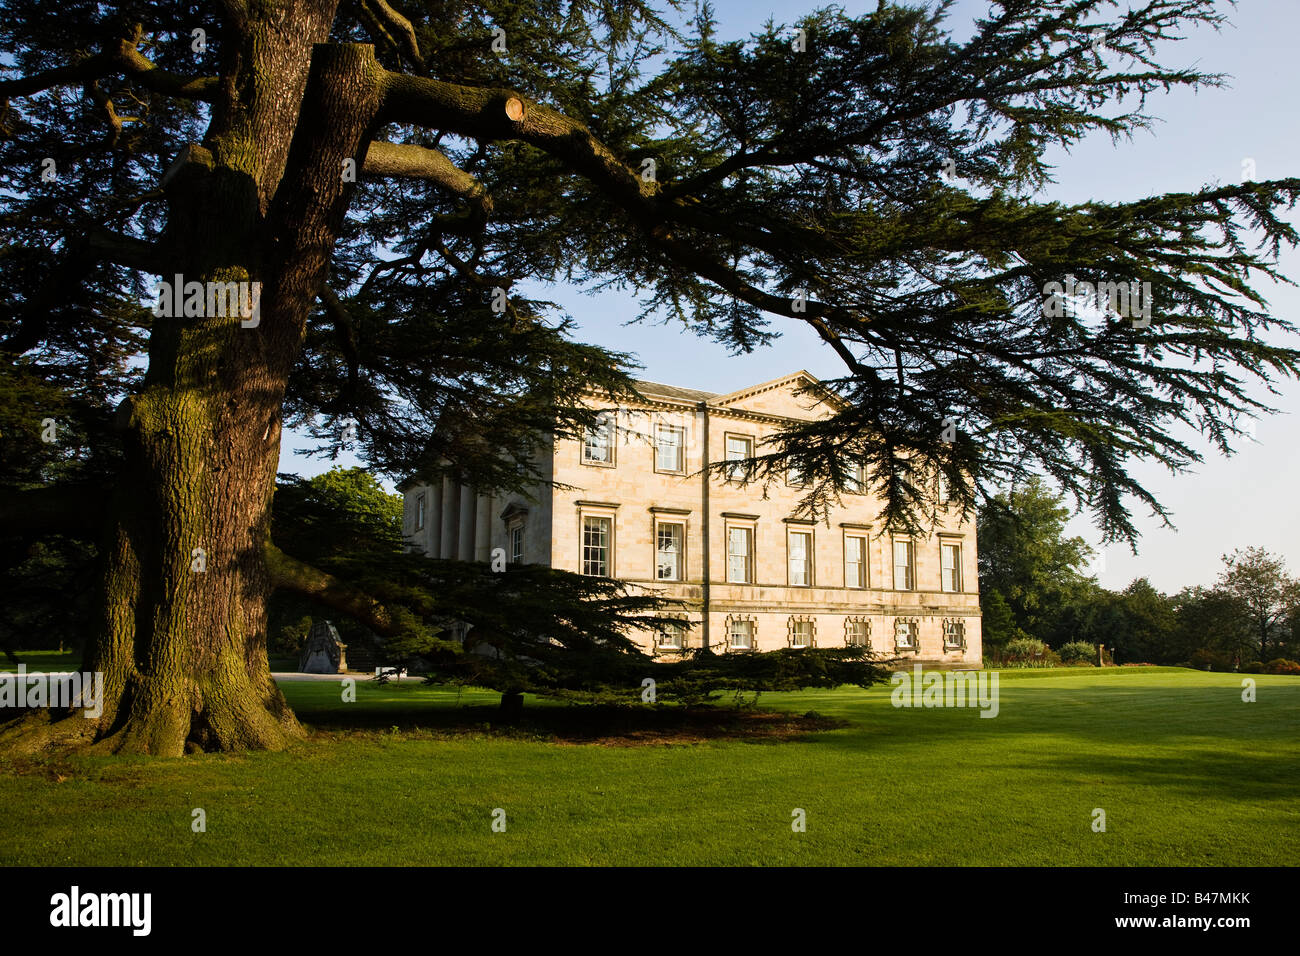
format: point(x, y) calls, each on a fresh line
point(1040, 602)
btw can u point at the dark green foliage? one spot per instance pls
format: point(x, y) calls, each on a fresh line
point(780, 175)
point(1029, 570)
point(1077, 652)
point(1266, 595)
point(1024, 652)
point(540, 630)
point(1208, 659)
point(1208, 618)
point(998, 625)
point(48, 556)
point(800, 183)
point(819, 171)
point(344, 512)
point(1141, 625)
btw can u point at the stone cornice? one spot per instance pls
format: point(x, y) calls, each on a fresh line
point(720, 411)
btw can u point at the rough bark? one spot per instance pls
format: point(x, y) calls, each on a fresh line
point(182, 642)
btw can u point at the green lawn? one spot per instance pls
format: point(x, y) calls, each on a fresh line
point(1186, 772)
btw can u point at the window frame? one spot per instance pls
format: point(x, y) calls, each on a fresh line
point(750, 561)
point(863, 565)
point(809, 563)
point(792, 626)
point(751, 622)
point(680, 629)
point(516, 526)
point(858, 483)
point(911, 562)
point(681, 553)
point(610, 419)
point(849, 623)
point(421, 506)
point(914, 631)
point(726, 452)
point(584, 515)
point(958, 583)
point(680, 432)
point(960, 626)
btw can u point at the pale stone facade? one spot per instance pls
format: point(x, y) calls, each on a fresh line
point(641, 510)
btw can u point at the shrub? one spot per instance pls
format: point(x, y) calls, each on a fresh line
point(1254, 667)
point(1280, 665)
point(1204, 659)
point(1077, 652)
point(1029, 652)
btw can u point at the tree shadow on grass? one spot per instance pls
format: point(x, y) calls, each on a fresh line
point(576, 724)
point(1204, 743)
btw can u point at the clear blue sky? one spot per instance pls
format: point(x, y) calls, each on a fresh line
point(1199, 138)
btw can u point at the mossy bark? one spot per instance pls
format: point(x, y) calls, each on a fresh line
point(182, 639)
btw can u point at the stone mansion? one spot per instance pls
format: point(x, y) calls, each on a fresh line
point(754, 577)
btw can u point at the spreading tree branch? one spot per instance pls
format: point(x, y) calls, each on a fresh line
point(122, 56)
point(384, 23)
point(290, 574)
point(421, 162)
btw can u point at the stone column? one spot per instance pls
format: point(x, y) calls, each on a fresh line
point(483, 529)
point(450, 512)
point(465, 539)
point(433, 520)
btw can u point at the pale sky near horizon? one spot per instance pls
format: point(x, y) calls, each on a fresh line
point(1199, 138)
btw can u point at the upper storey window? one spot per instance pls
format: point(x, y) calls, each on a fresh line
point(739, 447)
point(598, 441)
point(670, 449)
point(855, 477)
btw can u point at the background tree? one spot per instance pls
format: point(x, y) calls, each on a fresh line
point(998, 624)
point(1027, 564)
point(48, 543)
point(1142, 625)
point(807, 182)
point(1265, 592)
point(1210, 619)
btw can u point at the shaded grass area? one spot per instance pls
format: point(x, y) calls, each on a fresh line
point(43, 661)
point(414, 709)
point(1186, 772)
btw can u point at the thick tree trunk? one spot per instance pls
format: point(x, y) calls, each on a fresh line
point(182, 644)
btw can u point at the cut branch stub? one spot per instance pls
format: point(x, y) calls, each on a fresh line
point(515, 109)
